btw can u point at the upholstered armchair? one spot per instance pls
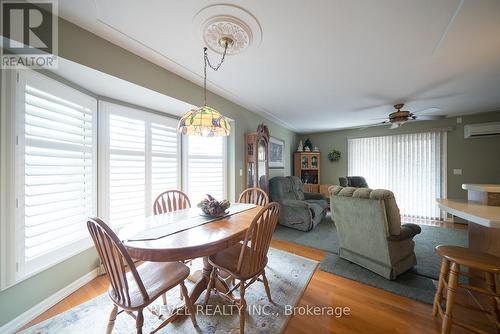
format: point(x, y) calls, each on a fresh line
point(299, 210)
point(369, 230)
point(353, 181)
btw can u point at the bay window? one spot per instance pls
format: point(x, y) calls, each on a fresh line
point(58, 169)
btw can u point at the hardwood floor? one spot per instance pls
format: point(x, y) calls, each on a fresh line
point(371, 310)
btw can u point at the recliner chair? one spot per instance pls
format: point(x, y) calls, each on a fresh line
point(369, 230)
point(299, 210)
point(353, 181)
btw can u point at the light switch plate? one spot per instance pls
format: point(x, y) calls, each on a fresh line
point(241, 172)
point(457, 171)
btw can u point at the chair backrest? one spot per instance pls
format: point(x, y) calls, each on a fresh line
point(259, 233)
point(255, 196)
point(171, 200)
point(115, 257)
point(286, 187)
point(364, 219)
point(353, 181)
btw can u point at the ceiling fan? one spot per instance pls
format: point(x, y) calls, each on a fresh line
point(399, 117)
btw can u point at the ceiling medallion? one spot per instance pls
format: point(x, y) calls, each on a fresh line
point(215, 23)
point(225, 26)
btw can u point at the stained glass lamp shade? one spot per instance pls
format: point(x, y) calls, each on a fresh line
point(204, 121)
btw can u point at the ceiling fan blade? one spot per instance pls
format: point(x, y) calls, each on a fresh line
point(395, 125)
point(372, 125)
point(432, 110)
point(428, 117)
point(365, 108)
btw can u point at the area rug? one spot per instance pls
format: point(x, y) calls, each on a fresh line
point(288, 276)
point(416, 284)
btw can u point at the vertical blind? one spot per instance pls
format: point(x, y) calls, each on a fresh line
point(142, 153)
point(410, 165)
point(57, 144)
point(205, 167)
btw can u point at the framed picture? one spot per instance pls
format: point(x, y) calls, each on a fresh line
point(276, 153)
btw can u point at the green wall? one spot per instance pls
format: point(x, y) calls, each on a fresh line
point(479, 158)
point(83, 47)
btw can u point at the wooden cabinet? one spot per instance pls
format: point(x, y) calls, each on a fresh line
point(307, 167)
point(256, 158)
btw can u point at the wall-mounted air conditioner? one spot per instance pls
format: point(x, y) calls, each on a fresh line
point(482, 130)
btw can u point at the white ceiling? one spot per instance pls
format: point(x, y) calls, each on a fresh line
point(322, 63)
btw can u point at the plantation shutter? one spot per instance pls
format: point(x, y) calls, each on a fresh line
point(127, 169)
point(205, 167)
point(56, 149)
point(164, 158)
point(139, 161)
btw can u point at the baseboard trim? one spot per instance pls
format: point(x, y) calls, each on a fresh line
point(22, 319)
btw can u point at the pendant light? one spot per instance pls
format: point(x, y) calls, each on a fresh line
point(206, 121)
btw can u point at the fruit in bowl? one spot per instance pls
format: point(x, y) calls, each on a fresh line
point(212, 207)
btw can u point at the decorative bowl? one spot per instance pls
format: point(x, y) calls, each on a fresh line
point(212, 207)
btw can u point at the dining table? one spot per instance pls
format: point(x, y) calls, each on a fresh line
point(187, 234)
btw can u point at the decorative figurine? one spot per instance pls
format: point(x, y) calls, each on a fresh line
point(300, 147)
point(308, 146)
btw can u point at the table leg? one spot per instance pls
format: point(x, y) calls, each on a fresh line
point(202, 284)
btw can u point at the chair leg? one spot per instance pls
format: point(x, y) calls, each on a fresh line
point(242, 308)
point(189, 304)
point(266, 286)
point(164, 298)
point(139, 321)
point(112, 318)
point(450, 298)
point(445, 266)
point(211, 284)
point(495, 300)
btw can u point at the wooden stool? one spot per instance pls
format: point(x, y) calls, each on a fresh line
point(453, 258)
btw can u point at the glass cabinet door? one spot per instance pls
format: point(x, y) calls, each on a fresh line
point(262, 165)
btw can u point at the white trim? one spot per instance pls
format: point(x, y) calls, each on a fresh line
point(7, 185)
point(22, 319)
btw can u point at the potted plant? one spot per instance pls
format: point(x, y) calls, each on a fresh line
point(334, 155)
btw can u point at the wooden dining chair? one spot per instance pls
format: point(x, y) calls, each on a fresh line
point(134, 290)
point(255, 196)
point(171, 200)
point(247, 261)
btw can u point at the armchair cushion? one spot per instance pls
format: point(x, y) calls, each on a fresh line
point(317, 196)
point(317, 208)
